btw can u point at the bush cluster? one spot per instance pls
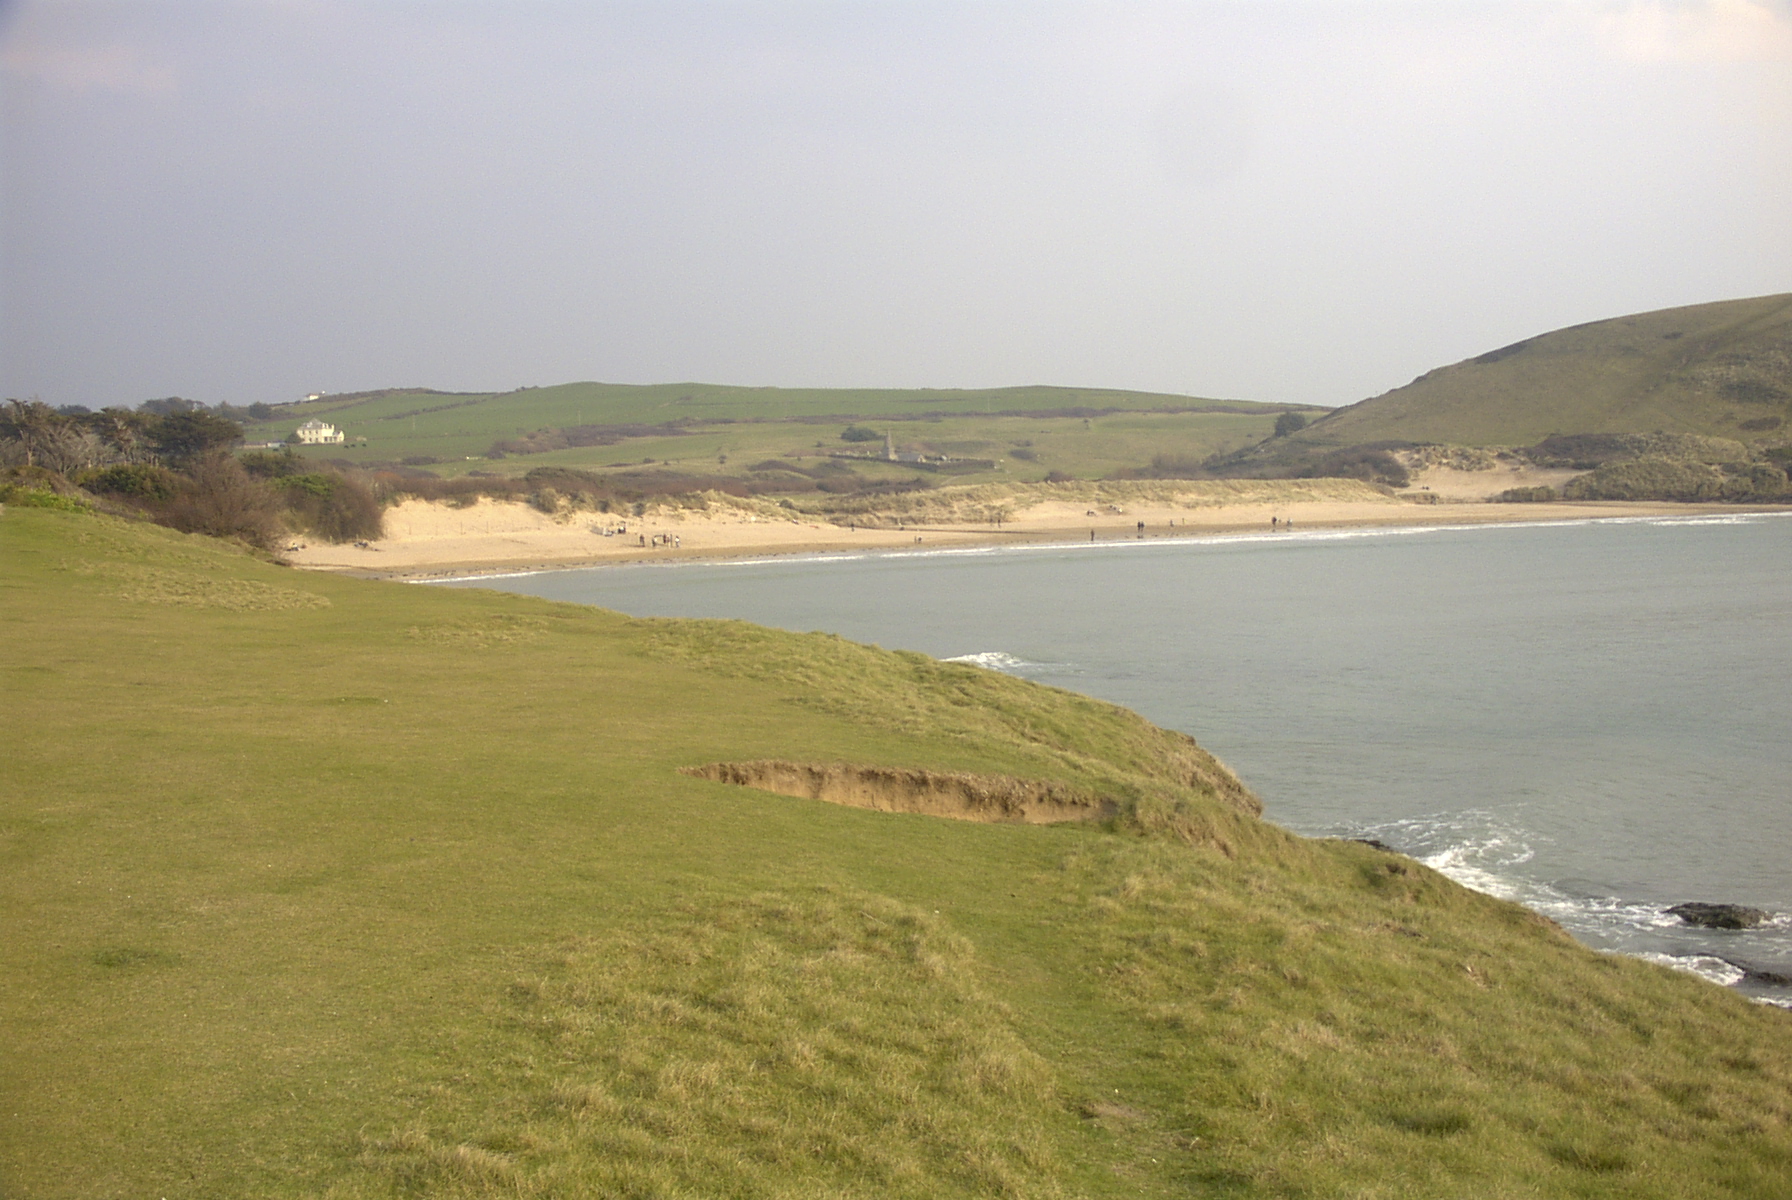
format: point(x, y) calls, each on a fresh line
point(1678, 479)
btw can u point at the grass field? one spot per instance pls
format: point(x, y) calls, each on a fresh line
point(706, 429)
point(320, 887)
point(1716, 370)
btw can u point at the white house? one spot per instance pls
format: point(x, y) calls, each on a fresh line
point(316, 433)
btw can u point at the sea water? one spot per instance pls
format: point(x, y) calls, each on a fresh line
point(1588, 717)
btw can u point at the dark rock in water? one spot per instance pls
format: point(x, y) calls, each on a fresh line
point(1718, 916)
point(1771, 976)
point(1775, 975)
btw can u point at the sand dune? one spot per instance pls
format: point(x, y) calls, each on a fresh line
point(425, 539)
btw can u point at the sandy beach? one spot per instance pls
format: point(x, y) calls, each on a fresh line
point(430, 540)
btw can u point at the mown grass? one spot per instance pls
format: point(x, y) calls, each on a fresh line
point(321, 887)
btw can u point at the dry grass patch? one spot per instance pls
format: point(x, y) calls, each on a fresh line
point(496, 629)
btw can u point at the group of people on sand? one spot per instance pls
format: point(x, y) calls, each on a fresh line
point(1281, 523)
point(669, 540)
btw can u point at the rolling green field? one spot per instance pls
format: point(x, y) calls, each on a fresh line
point(712, 430)
point(1717, 370)
point(320, 887)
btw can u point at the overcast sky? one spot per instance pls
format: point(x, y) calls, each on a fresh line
point(1311, 202)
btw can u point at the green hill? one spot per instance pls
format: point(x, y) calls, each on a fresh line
point(404, 420)
point(1717, 370)
point(705, 430)
point(320, 887)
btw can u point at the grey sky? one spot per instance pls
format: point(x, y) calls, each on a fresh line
point(1280, 201)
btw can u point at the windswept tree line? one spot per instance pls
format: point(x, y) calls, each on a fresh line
point(175, 462)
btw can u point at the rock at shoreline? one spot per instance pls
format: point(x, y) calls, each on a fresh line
point(1770, 976)
point(1718, 916)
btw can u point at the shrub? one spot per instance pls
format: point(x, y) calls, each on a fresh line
point(1367, 463)
point(30, 497)
point(1647, 479)
point(134, 481)
point(1586, 451)
point(331, 506)
point(860, 433)
point(1290, 422)
point(265, 464)
point(219, 498)
point(1757, 481)
point(1541, 494)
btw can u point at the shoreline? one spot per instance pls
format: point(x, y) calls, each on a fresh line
point(432, 542)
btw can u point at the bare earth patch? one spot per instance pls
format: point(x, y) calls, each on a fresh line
point(955, 794)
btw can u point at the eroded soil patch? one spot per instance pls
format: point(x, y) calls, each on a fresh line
point(959, 795)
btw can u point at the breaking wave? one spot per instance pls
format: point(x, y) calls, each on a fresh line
point(1489, 853)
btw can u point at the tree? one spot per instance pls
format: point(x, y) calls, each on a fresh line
point(188, 435)
point(29, 425)
point(1290, 422)
point(127, 431)
point(169, 406)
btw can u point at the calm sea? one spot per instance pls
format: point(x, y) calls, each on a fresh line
point(1589, 717)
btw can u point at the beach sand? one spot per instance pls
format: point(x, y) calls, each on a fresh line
point(428, 540)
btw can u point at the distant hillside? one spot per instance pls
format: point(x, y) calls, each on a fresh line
point(489, 414)
point(1720, 370)
point(713, 430)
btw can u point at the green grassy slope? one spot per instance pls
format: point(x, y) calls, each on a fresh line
point(1710, 369)
point(318, 887)
point(400, 422)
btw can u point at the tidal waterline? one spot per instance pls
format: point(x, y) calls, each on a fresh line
point(1587, 717)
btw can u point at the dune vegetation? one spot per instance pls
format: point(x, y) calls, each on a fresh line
point(321, 887)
